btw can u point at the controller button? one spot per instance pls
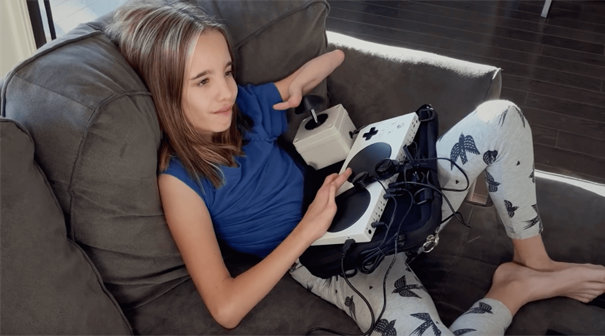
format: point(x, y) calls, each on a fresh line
point(372, 132)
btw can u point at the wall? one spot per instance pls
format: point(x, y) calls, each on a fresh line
point(16, 34)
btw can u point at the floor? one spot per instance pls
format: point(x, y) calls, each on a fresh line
point(553, 68)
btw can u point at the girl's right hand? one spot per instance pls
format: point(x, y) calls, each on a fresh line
point(321, 211)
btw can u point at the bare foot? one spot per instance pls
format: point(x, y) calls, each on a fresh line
point(515, 285)
point(545, 264)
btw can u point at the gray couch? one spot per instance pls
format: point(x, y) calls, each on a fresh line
point(85, 246)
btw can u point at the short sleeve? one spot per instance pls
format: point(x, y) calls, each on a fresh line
point(203, 188)
point(257, 102)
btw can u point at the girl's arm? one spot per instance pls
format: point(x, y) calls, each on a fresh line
point(303, 80)
point(230, 299)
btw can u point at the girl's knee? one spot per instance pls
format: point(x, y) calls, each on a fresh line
point(502, 112)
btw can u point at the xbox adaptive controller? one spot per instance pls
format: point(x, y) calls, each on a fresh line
point(359, 208)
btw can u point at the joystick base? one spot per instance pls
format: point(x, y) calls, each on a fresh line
point(327, 143)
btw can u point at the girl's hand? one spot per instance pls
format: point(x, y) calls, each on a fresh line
point(302, 81)
point(320, 213)
point(295, 94)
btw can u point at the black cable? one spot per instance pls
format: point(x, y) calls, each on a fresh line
point(387, 225)
point(457, 214)
point(377, 253)
point(345, 250)
point(346, 247)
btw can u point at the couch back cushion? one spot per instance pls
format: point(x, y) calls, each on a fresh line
point(49, 285)
point(97, 134)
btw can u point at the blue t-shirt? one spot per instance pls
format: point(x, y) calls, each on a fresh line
point(260, 201)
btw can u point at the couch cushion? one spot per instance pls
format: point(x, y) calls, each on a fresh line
point(289, 309)
point(378, 81)
point(97, 136)
point(459, 271)
point(49, 285)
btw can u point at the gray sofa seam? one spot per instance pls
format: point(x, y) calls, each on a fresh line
point(19, 126)
point(70, 241)
point(103, 288)
point(84, 138)
point(71, 232)
point(57, 93)
point(32, 58)
point(83, 254)
point(279, 18)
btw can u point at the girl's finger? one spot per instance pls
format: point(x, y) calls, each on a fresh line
point(332, 198)
point(295, 98)
point(330, 178)
point(281, 106)
point(342, 178)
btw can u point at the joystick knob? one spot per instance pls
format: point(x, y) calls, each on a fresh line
point(312, 103)
point(386, 168)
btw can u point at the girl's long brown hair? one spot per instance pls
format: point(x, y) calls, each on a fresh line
point(157, 38)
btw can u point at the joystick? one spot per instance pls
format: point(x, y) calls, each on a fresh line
point(323, 138)
point(312, 104)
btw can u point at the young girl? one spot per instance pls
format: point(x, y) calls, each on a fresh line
point(222, 176)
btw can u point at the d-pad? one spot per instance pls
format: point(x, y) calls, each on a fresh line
point(369, 134)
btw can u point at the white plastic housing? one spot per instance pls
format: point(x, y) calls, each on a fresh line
point(397, 132)
point(327, 144)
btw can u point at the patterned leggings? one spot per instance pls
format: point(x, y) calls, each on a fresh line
point(496, 138)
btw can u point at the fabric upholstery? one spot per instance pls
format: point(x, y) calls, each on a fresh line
point(97, 138)
point(289, 309)
point(377, 82)
point(49, 285)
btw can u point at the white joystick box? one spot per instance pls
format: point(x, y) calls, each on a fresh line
point(328, 143)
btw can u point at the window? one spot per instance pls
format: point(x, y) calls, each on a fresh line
point(53, 18)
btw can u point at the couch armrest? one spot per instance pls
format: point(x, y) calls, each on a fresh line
point(376, 82)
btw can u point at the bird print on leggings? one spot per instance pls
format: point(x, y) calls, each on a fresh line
point(406, 290)
point(482, 309)
point(532, 222)
point(489, 157)
point(428, 323)
point(349, 303)
point(465, 144)
point(463, 331)
point(386, 328)
point(510, 208)
point(492, 185)
point(328, 281)
point(532, 176)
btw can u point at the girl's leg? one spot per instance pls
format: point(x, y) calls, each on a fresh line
point(409, 311)
point(497, 138)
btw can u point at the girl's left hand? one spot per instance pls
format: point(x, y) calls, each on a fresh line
point(295, 94)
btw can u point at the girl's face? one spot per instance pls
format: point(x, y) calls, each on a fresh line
point(209, 89)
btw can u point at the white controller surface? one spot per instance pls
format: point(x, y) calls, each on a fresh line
point(374, 143)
